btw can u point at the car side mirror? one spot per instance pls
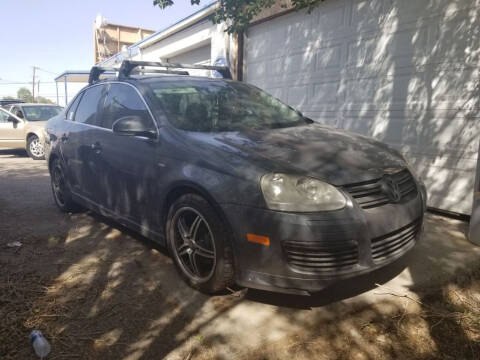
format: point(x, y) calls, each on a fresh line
point(12, 119)
point(133, 126)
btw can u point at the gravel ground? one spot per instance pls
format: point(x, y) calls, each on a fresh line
point(98, 291)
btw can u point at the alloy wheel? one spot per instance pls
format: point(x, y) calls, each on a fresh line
point(58, 184)
point(36, 147)
point(194, 245)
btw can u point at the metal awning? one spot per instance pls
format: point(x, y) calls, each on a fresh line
point(75, 76)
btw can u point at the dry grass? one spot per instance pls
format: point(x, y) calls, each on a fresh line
point(443, 324)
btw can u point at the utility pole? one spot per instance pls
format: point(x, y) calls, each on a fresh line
point(33, 84)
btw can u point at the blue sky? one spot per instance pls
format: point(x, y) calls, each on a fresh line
point(57, 35)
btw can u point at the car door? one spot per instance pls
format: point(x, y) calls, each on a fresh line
point(77, 147)
point(129, 175)
point(68, 143)
point(11, 131)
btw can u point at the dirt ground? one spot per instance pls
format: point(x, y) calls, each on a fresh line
point(98, 291)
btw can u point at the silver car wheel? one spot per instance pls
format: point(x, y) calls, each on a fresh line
point(36, 147)
point(194, 245)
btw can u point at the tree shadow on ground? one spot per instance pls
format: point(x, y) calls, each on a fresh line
point(98, 290)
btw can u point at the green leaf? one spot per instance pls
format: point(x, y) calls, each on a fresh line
point(240, 13)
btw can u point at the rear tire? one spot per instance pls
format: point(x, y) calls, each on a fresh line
point(35, 148)
point(198, 243)
point(61, 189)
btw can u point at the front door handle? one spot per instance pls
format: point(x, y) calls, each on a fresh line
point(97, 147)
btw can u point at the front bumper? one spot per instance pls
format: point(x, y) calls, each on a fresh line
point(309, 252)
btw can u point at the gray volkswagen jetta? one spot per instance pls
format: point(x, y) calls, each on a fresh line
point(239, 187)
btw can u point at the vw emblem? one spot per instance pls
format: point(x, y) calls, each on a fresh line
point(391, 189)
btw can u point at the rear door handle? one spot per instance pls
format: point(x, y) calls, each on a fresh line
point(97, 147)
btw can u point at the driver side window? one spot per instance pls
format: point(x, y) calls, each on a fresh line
point(123, 100)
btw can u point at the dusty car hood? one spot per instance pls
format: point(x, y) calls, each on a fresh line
point(336, 156)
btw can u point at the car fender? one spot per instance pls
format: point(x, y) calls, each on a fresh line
point(35, 130)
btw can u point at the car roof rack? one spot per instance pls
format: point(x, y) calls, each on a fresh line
point(96, 71)
point(127, 67)
point(142, 70)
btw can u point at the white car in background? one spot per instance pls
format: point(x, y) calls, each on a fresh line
point(23, 127)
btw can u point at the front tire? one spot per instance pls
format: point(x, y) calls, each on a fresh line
point(198, 243)
point(61, 189)
point(35, 148)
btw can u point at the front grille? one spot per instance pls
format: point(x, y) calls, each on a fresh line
point(369, 194)
point(321, 257)
point(390, 245)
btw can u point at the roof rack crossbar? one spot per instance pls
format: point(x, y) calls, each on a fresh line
point(96, 71)
point(128, 65)
point(155, 71)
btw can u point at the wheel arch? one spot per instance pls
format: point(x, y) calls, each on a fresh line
point(30, 134)
point(51, 159)
point(188, 187)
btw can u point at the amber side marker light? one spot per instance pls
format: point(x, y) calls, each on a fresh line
point(263, 240)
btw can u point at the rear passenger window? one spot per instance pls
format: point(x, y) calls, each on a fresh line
point(123, 100)
point(90, 104)
point(73, 108)
point(3, 117)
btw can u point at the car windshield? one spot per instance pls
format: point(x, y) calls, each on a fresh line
point(215, 106)
point(40, 113)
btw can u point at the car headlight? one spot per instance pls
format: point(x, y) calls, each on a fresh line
point(300, 194)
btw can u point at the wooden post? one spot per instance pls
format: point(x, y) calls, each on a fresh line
point(118, 38)
point(33, 84)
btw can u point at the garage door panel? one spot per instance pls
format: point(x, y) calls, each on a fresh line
point(437, 133)
point(451, 86)
point(404, 72)
point(299, 63)
point(457, 35)
point(200, 55)
point(369, 14)
point(331, 20)
point(324, 93)
point(328, 58)
point(297, 95)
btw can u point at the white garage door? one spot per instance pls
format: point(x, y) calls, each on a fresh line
point(199, 56)
point(404, 72)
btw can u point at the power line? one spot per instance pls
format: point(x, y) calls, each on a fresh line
point(47, 71)
point(25, 83)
